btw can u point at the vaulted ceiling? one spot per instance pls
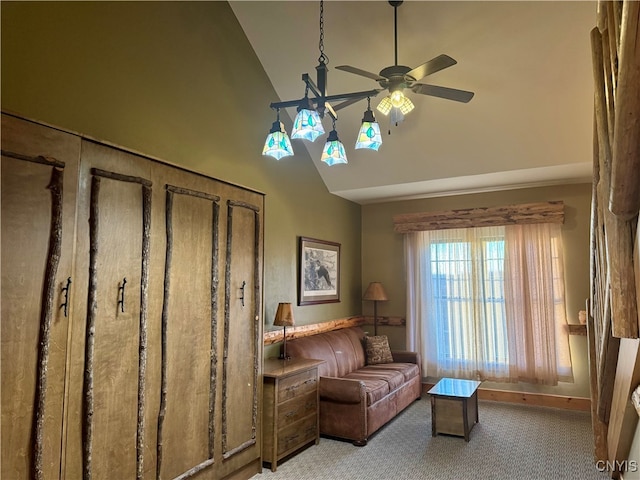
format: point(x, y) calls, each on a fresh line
point(529, 64)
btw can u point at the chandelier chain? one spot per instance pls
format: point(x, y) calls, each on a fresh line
point(323, 59)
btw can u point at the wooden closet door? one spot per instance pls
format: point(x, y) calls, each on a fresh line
point(242, 345)
point(107, 390)
point(186, 421)
point(39, 176)
point(208, 423)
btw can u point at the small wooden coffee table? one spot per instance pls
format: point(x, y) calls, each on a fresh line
point(454, 407)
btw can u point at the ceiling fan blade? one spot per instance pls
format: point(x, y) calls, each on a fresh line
point(357, 71)
point(443, 92)
point(432, 66)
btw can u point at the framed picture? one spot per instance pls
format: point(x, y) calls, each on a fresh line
point(319, 271)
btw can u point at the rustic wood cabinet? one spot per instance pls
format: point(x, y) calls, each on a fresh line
point(291, 407)
point(131, 314)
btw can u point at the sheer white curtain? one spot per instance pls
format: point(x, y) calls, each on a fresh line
point(488, 303)
point(536, 314)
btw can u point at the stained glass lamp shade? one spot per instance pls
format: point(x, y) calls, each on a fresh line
point(277, 144)
point(369, 134)
point(333, 152)
point(307, 125)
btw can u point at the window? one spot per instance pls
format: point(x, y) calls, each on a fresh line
point(490, 302)
point(453, 266)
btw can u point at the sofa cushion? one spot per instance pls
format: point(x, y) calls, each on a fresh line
point(408, 370)
point(340, 349)
point(378, 350)
point(393, 378)
point(376, 387)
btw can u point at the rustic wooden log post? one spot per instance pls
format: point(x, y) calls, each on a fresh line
point(599, 427)
point(608, 79)
point(625, 189)
point(618, 233)
point(306, 330)
point(594, 261)
point(609, 347)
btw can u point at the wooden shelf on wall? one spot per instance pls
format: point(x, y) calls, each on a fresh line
point(387, 321)
point(274, 336)
point(577, 329)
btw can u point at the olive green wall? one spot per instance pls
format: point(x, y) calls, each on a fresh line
point(383, 260)
point(179, 81)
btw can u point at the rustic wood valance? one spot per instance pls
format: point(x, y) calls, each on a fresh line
point(544, 212)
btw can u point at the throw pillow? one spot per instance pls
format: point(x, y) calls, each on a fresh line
point(378, 350)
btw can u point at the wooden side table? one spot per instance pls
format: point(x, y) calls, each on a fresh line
point(454, 407)
point(290, 415)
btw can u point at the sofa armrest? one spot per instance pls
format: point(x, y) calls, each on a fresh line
point(342, 390)
point(406, 357)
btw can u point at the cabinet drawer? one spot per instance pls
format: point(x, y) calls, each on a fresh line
point(298, 384)
point(297, 434)
point(297, 408)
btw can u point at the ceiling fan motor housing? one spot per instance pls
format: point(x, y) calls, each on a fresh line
point(395, 75)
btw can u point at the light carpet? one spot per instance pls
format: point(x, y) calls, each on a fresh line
point(512, 441)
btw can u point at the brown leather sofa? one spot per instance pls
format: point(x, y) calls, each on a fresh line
point(357, 399)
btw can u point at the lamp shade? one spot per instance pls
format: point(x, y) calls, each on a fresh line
point(277, 144)
point(401, 105)
point(385, 105)
point(369, 134)
point(375, 291)
point(307, 125)
point(333, 152)
point(284, 316)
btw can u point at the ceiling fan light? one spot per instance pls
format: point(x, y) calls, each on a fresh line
point(407, 106)
point(307, 125)
point(397, 98)
point(333, 152)
point(277, 144)
point(385, 106)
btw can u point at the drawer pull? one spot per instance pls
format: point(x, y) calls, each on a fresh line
point(291, 388)
point(291, 413)
point(293, 438)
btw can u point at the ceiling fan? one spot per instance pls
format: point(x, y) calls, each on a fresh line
point(396, 78)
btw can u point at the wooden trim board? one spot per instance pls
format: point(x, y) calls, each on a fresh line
point(275, 336)
point(544, 212)
point(524, 398)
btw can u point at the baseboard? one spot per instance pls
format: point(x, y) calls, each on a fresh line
point(247, 471)
point(524, 398)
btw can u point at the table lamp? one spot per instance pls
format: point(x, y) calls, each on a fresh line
point(375, 291)
point(284, 318)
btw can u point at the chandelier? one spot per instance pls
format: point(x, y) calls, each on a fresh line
point(312, 108)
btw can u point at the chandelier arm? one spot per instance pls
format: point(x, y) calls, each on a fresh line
point(285, 104)
point(312, 86)
point(349, 96)
point(330, 110)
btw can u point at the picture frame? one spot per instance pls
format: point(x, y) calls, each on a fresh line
point(318, 271)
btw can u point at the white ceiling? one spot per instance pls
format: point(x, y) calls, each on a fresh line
point(529, 64)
